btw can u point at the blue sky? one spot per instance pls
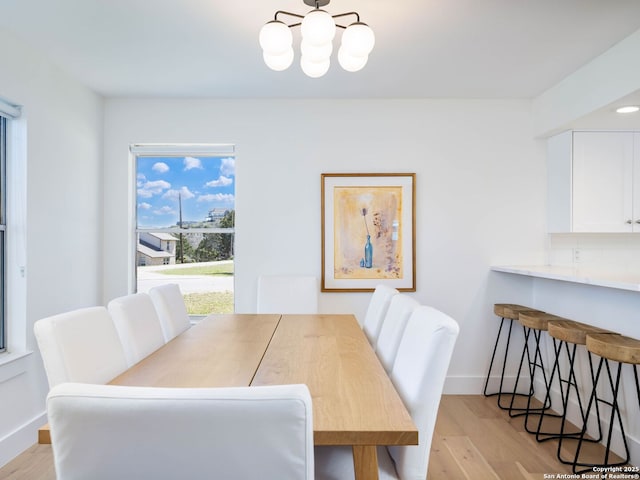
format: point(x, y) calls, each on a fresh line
point(203, 182)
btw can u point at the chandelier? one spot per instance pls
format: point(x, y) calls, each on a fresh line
point(318, 29)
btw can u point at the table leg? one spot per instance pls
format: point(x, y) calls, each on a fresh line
point(365, 462)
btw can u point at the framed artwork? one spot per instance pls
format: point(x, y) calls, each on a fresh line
point(368, 231)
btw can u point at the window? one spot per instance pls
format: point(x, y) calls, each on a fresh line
point(3, 228)
point(185, 222)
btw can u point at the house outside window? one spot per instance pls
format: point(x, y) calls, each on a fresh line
point(185, 222)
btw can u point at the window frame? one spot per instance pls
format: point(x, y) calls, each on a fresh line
point(3, 232)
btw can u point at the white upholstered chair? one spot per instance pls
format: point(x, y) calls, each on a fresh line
point(171, 309)
point(378, 306)
point(80, 346)
point(106, 432)
point(418, 374)
point(137, 324)
point(400, 308)
point(287, 294)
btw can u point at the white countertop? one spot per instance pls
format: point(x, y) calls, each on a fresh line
point(598, 276)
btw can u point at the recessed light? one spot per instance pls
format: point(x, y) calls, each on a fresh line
point(627, 109)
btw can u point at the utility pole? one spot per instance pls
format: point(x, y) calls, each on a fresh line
point(180, 225)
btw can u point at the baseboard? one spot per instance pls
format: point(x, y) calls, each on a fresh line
point(20, 439)
point(475, 385)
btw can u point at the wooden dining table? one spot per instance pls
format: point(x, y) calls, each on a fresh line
point(354, 401)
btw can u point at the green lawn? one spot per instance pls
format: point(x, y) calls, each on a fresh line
point(220, 269)
point(209, 302)
point(206, 302)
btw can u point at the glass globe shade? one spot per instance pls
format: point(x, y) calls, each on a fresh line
point(314, 69)
point(316, 53)
point(279, 62)
point(349, 62)
point(318, 27)
point(358, 39)
point(275, 38)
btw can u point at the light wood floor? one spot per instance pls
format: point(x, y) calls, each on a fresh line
point(473, 440)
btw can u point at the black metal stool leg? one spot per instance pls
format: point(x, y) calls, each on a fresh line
point(565, 405)
point(615, 412)
point(525, 353)
point(538, 363)
point(504, 360)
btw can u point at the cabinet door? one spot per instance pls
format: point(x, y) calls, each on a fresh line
point(602, 181)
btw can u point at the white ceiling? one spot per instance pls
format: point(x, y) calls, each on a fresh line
point(424, 48)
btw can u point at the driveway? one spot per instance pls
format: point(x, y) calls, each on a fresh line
point(151, 276)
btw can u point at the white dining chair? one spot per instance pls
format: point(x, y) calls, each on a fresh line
point(137, 324)
point(287, 294)
point(378, 306)
point(400, 308)
point(171, 309)
point(418, 373)
point(80, 346)
point(106, 432)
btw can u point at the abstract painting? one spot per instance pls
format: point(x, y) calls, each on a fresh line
point(368, 231)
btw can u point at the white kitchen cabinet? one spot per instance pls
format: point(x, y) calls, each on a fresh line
point(593, 182)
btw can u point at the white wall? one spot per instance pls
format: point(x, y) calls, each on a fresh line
point(62, 128)
point(480, 193)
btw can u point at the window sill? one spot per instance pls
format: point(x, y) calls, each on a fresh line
point(13, 364)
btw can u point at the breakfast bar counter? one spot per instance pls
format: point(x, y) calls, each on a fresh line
point(597, 276)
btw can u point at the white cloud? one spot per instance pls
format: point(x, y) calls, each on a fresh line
point(220, 182)
point(191, 163)
point(165, 211)
point(217, 197)
point(160, 167)
point(144, 206)
point(149, 189)
point(184, 192)
point(228, 166)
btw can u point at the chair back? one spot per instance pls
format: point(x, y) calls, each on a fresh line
point(171, 309)
point(137, 324)
point(418, 374)
point(80, 346)
point(106, 432)
point(378, 306)
point(400, 309)
point(287, 294)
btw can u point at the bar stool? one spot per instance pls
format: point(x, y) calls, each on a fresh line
point(507, 312)
point(569, 334)
point(620, 349)
point(536, 322)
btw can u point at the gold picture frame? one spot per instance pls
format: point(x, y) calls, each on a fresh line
point(368, 231)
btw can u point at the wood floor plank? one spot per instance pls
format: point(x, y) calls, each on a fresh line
point(442, 464)
point(469, 458)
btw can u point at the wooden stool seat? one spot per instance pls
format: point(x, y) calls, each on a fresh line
point(536, 319)
point(510, 310)
point(507, 313)
point(574, 332)
point(614, 347)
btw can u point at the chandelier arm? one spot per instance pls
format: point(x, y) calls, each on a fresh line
point(345, 15)
point(282, 12)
